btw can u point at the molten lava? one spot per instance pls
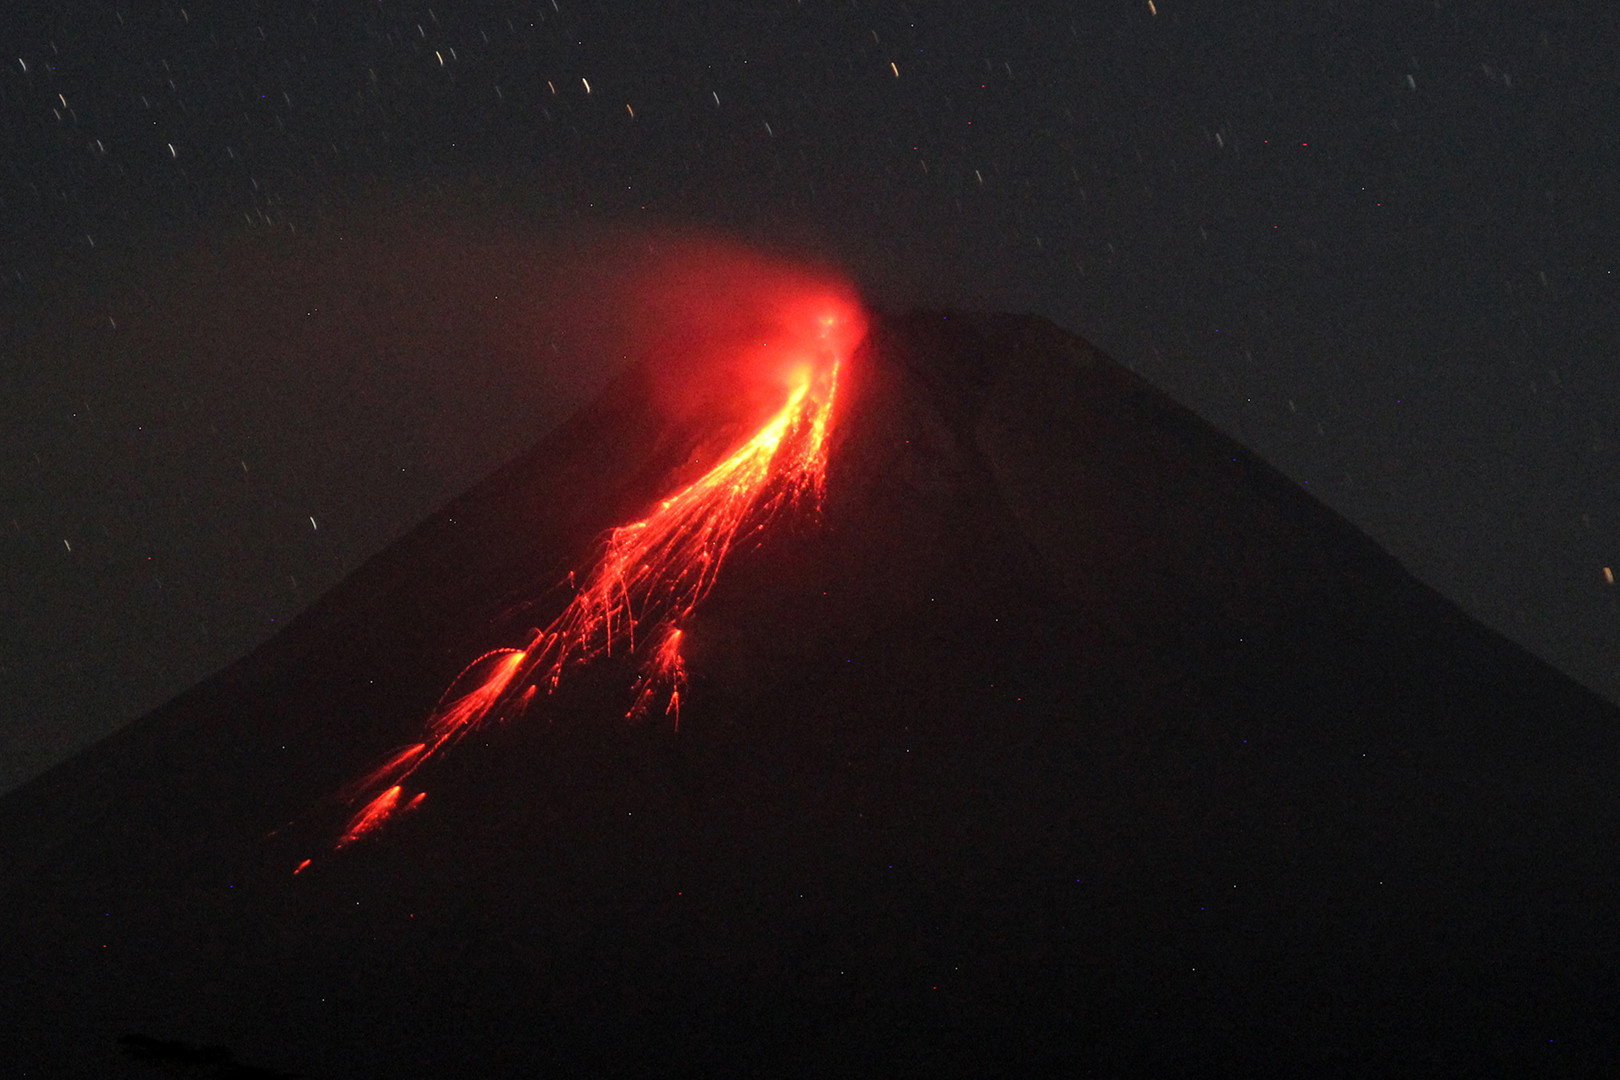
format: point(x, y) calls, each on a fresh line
point(651, 576)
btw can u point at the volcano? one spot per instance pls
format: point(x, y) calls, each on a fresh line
point(1054, 732)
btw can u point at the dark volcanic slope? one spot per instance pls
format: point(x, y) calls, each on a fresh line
point(1074, 737)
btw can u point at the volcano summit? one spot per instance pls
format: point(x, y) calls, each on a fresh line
point(1056, 731)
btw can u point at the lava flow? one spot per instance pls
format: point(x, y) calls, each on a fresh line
point(650, 578)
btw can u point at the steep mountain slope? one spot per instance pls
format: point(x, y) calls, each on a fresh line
point(1072, 735)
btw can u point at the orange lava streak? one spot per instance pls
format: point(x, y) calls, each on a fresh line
point(385, 772)
point(664, 672)
point(659, 568)
point(452, 721)
point(371, 818)
point(652, 573)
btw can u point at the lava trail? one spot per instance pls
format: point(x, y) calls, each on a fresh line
point(650, 578)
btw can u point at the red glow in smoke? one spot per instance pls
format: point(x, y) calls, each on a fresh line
point(746, 341)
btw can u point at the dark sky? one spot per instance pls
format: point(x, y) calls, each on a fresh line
point(280, 278)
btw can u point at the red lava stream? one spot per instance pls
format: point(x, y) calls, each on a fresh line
point(650, 577)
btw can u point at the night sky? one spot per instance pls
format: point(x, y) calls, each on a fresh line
point(278, 279)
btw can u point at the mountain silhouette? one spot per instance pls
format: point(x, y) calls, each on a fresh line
point(1068, 736)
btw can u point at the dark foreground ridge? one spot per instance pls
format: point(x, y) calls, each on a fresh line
point(1074, 738)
